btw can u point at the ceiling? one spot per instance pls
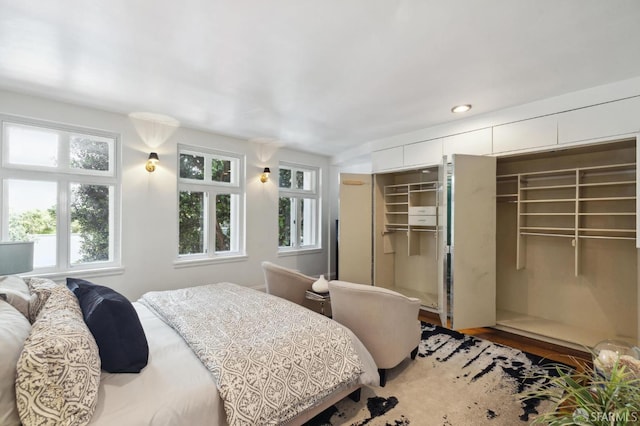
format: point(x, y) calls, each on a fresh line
point(318, 75)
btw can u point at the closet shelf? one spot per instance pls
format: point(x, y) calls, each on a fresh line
point(608, 214)
point(607, 199)
point(550, 200)
point(547, 228)
point(548, 234)
point(621, 230)
point(617, 183)
point(531, 188)
point(606, 237)
point(548, 214)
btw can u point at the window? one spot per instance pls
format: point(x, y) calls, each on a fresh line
point(60, 189)
point(298, 208)
point(210, 203)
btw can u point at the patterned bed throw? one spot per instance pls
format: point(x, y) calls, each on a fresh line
point(271, 359)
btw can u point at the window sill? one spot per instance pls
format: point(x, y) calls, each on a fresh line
point(80, 273)
point(296, 252)
point(190, 263)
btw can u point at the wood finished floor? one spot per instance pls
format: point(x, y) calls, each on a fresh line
point(547, 350)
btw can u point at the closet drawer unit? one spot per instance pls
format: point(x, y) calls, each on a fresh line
point(423, 210)
point(422, 220)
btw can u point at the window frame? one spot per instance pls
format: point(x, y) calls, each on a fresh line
point(298, 195)
point(65, 176)
point(211, 188)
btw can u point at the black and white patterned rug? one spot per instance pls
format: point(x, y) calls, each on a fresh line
point(456, 380)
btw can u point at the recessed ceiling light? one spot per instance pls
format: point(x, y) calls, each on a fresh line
point(461, 108)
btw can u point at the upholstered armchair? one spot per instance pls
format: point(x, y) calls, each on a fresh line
point(289, 284)
point(385, 321)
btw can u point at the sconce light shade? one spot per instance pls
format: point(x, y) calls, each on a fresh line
point(16, 257)
point(265, 175)
point(152, 162)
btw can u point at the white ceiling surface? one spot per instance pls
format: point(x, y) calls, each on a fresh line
point(318, 75)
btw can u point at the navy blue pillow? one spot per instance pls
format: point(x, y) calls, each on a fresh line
point(115, 326)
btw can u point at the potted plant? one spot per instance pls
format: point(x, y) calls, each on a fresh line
point(606, 392)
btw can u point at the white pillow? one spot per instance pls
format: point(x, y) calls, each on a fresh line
point(18, 300)
point(14, 329)
point(14, 282)
point(15, 290)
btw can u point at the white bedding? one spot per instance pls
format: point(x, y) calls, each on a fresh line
point(174, 388)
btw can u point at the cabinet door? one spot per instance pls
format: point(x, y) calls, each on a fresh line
point(423, 153)
point(533, 133)
point(473, 241)
point(387, 159)
point(478, 142)
point(354, 228)
point(600, 121)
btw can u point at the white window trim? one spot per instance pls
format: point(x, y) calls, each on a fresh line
point(299, 194)
point(64, 176)
point(211, 189)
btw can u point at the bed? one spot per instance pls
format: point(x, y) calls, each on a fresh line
point(177, 387)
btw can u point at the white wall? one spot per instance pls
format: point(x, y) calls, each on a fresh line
point(149, 202)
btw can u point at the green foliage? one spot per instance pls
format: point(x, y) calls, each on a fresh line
point(220, 170)
point(90, 203)
point(586, 397)
point(285, 178)
point(284, 221)
point(191, 166)
point(285, 204)
point(223, 222)
point(88, 154)
point(90, 211)
point(191, 222)
point(32, 222)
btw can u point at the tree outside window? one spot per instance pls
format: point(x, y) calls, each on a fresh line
point(210, 208)
point(298, 208)
point(63, 165)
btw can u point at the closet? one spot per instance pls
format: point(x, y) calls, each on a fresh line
point(433, 234)
point(567, 263)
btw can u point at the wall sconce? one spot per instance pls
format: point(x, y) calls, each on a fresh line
point(265, 175)
point(152, 162)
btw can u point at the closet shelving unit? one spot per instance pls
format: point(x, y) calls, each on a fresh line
point(411, 207)
point(567, 262)
point(396, 208)
point(406, 253)
point(595, 202)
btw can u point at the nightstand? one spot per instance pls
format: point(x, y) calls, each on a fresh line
point(318, 297)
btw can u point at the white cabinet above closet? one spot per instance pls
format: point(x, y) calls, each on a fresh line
point(526, 134)
point(478, 142)
point(387, 159)
point(600, 121)
point(423, 153)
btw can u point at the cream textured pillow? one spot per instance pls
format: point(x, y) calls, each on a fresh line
point(41, 288)
point(14, 329)
point(58, 372)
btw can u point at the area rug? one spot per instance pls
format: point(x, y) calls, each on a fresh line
point(456, 380)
